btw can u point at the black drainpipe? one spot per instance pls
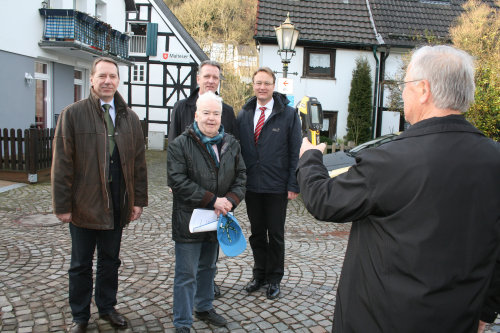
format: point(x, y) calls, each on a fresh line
point(375, 93)
point(380, 100)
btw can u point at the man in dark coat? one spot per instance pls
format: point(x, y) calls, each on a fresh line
point(182, 116)
point(99, 185)
point(205, 170)
point(270, 134)
point(425, 209)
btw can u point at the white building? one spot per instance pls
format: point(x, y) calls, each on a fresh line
point(334, 33)
point(46, 51)
point(166, 60)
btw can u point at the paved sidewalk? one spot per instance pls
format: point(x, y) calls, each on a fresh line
point(35, 255)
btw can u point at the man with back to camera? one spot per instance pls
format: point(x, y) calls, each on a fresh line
point(208, 79)
point(99, 185)
point(270, 133)
point(424, 244)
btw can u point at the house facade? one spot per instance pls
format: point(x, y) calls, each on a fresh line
point(333, 34)
point(47, 53)
point(166, 60)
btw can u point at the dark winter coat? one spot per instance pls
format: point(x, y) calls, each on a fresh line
point(196, 181)
point(183, 115)
point(272, 162)
point(80, 164)
point(426, 228)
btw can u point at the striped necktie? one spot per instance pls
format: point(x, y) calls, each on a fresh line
point(260, 123)
point(110, 126)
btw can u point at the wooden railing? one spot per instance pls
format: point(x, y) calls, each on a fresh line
point(25, 156)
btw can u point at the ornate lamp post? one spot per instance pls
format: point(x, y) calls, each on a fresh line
point(287, 38)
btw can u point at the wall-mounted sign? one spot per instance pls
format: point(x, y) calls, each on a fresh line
point(285, 85)
point(176, 57)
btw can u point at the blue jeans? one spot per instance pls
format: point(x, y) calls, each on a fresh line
point(194, 280)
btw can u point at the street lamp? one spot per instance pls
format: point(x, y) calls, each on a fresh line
point(287, 38)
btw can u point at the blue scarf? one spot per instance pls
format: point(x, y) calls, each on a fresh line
point(210, 141)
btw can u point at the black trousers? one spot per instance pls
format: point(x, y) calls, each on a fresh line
point(267, 215)
point(84, 242)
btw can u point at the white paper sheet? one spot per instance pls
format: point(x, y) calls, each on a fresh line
point(203, 220)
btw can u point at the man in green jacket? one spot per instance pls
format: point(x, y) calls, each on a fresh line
point(99, 185)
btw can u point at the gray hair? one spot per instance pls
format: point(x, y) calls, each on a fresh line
point(450, 73)
point(208, 96)
point(210, 63)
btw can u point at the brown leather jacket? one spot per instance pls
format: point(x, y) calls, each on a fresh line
point(80, 163)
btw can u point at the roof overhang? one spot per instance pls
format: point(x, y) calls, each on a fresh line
point(79, 50)
point(320, 43)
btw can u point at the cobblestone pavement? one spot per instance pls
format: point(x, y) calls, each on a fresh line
point(35, 256)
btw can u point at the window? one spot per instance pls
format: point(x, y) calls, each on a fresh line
point(41, 94)
point(138, 41)
point(78, 86)
point(319, 63)
point(139, 73)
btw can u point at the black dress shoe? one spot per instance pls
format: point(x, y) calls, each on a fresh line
point(115, 319)
point(211, 317)
point(216, 291)
point(254, 285)
point(273, 291)
point(78, 327)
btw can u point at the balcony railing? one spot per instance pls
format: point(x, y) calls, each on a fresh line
point(137, 45)
point(73, 26)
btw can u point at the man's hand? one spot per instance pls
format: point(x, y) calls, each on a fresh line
point(292, 195)
point(306, 145)
point(222, 206)
point(64, 218)
point(136, 213)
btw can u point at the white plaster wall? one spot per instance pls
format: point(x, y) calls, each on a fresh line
point(156, 18)
point(26, 30)
point(332, 94)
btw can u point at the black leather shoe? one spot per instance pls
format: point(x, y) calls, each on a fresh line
point(115, 319)
point(254, 285)
point(216, 291)
point(211, 317)
point(273, 291)
point(182, 330)
point(78, 327)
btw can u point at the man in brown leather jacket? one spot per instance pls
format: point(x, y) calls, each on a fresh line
point(99, 185)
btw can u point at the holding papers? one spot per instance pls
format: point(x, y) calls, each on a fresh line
point(203, 220)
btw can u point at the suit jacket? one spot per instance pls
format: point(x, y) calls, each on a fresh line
point(272, 162)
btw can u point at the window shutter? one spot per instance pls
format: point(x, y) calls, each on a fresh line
point(151, 42)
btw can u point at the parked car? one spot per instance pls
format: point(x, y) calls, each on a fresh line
point(339, 162)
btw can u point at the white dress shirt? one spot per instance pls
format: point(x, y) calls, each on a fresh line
point(267, 113)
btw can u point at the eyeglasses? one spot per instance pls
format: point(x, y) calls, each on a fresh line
point(402, 84)
point(266, 83)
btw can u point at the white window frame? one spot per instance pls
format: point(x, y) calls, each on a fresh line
point(80, 82)
point(133, 75)
point(48, 98)
point(137, 43)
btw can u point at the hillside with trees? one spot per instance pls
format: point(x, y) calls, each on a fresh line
point(224, 30)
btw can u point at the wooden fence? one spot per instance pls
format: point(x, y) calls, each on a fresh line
point(26, 156)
